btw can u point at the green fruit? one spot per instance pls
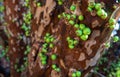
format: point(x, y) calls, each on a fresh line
point(112, 21)
point(86, 31)
point(100, 12)
point(78, 73)
point(68, 16)
point(27, 33)
point(48, 40)
point(51, 45)
point(81, 17)
point(59, 16)
point(104, 16)
point(24, 27)
point(116, 39)
point(98, 6)
point(73, 16)
point(45, 45)
point(43, 62)
point(47, 34)
point(112, 26)
point(76, 26)
point(72, 7)
point(68, 38)
point(52, 39)
point(84, 37)
point(38, 4)
point(89, 9)
point(63, 14)
point(57, 69)
point(75, 42)
point(60, 2)
point(53, 56)
point(54, 66)
point(43, 57)
point(44, 50)
point(40, 54)
point(78, 32)
point(91, 5)
point(71, 41)
point(71, 46)
point(73, 74)
point(107, 45)
point(82, 26)
point(71, 22)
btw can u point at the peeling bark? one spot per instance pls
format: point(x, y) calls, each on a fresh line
point(83, 57)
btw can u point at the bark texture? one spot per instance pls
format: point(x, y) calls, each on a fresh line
point(45, 19)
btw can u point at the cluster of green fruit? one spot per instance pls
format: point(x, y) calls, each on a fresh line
point(27, 19)
point(43, 58)
point(37, 3)
point(114, 39)
point(48, 44)
point(54, 67)
point(4, 52)
point(71, 17)
point(26, 29)
point(76, 74)
point(49, 39)
point(27, 50)
point(71, 42)
point(112, 23)
point(67, 16)
point(22, 67)
point(26, 4)
point(82, 30)
point(98, 7)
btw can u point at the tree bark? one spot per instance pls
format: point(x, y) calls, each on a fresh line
point(45, 20)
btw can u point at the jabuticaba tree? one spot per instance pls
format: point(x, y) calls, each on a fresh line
point(58, 38)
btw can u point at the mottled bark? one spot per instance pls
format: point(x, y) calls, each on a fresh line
point(14, 20)
point(83, 57)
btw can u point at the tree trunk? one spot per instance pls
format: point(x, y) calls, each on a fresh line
point(45, 20)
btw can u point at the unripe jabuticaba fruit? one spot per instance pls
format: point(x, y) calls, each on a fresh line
point(46, 31)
